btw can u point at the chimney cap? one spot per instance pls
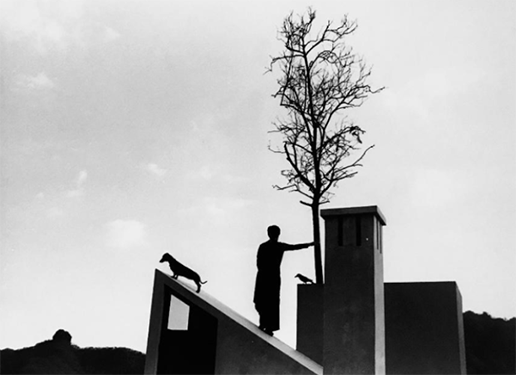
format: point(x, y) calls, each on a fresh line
point(354, 211)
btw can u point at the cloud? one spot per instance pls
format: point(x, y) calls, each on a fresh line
point(79, 183)
point(124, 234)
point(218, 208)
point(156, 170)
point(47, 26)
point(75, 193)
point(211, 172)
point(417, 95)
point(55, 212)
point(27, 21)
point(38, 82)
point(435, 189)
point(110, 35)
point(206, 172)
point(81, 178)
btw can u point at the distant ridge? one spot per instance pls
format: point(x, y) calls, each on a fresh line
point(490, 344)
point(490, 349)
point(60, 356)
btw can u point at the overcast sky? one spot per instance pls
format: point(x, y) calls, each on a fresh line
point(134, 128)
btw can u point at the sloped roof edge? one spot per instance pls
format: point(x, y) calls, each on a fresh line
point(205, 301)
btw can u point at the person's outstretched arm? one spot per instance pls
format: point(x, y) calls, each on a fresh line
point(298, 246)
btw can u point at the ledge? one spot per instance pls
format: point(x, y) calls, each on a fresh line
point(354, 211)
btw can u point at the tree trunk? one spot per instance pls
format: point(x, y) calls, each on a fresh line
point(317, 246)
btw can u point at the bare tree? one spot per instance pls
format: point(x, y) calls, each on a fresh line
point(320, 78)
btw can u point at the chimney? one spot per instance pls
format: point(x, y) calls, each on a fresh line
point(353, 322)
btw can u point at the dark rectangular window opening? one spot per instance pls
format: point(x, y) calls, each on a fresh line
point(358, 225)
point(340, 231)
point(375, 235)
point(191, 351)
point(379, 236)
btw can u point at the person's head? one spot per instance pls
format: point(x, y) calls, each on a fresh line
point(273, 231)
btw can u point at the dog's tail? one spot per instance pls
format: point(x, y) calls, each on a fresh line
point(203, 282)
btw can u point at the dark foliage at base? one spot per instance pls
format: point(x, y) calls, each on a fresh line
point(111, 361)
point(490, 349)
point(490, 344)
point(59, 356)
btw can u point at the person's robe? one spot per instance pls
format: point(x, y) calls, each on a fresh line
point(268, 282)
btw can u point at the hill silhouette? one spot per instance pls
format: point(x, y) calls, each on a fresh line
point(60, 356)
point(490, 349)
point(490, 344)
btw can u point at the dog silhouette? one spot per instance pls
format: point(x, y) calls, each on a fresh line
point(179, 269)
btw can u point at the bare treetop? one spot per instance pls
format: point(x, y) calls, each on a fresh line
point(320, 78)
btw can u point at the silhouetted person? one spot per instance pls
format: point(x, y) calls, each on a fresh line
point(268, 279)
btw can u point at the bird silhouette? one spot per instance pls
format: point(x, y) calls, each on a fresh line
point(304, 279)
